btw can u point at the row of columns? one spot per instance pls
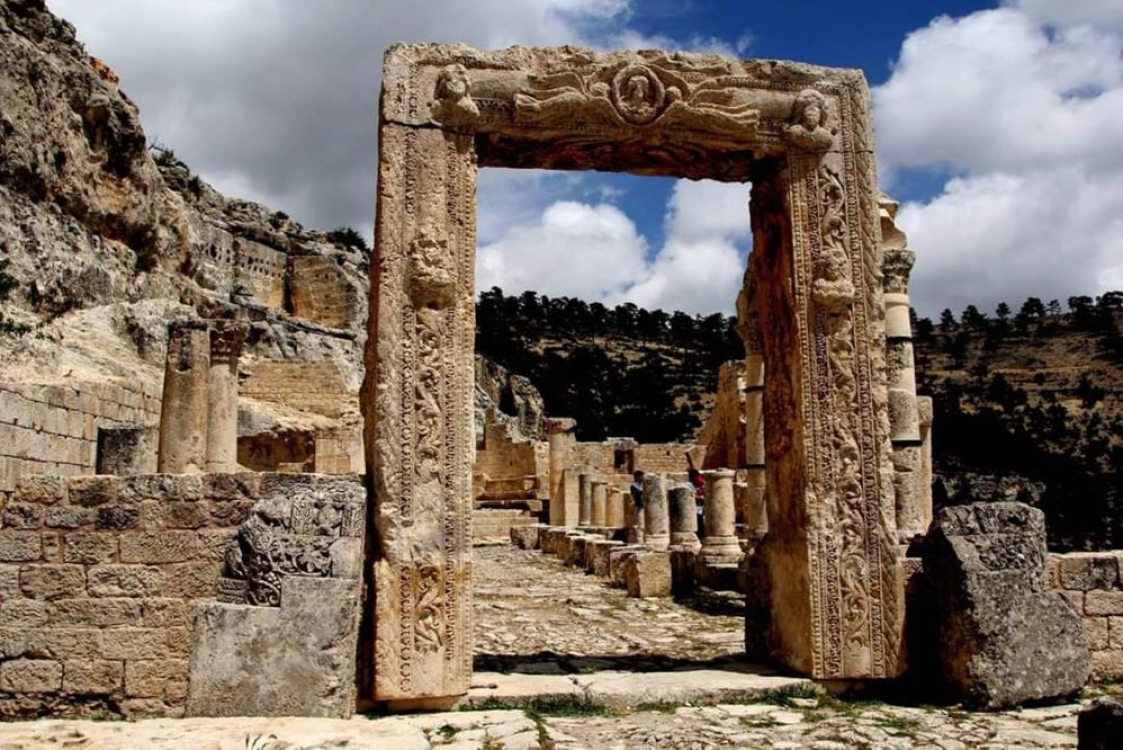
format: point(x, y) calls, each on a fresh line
point(908, 433)
point(199, 411)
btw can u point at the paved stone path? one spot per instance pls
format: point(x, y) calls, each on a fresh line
point(529, 604)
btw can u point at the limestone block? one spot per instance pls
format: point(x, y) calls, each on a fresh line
point(294, 660)
point(21, 516)
point(601, 551)
point(68, 517)
point(93, 491)
point(126, 450)
point(718, 576)
point(648, 574)
point(165, 547)
point(89, 549)
point(96, 613)
point(1100, 724)
point(40, 490)
point(1084, 571)
point(95, 677)
point(617, 561)
point(548, 541)
point(117, 518)
point(576, 556)
point(525, 537)
point(1003, 638)
point(20, 546)
point(1107, 665)
point(30, 676)
point(52, 581)
point(1103, 603)
point(1096, 632)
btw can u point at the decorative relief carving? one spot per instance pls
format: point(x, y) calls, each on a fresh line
point(287, 536)
point(832, 286)
point(639, 95)
point(432, 274)
point(453, 103)
point(808, 129)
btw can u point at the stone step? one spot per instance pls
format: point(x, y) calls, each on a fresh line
point(612, 689)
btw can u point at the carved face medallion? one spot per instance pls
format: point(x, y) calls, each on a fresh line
point(638, 94)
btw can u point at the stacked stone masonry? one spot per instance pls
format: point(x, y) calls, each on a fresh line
point(1093, 583)
point(100, 577)
point(53, 429)
point(316, 387)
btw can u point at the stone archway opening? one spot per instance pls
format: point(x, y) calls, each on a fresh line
point(827, 573)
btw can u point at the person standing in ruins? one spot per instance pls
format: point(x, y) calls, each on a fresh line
point(637, 492)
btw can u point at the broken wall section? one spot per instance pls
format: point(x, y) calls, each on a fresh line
point(102, 578)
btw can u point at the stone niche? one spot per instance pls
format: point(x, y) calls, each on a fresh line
point(802, 135)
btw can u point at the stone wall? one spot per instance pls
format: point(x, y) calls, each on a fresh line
point(1093, 582)
point(505, 455)
point(322, 293)
point(101, 579)
point(53, 429)
point(316, 387)
point(662, 458)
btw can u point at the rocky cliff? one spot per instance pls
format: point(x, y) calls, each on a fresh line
point(105, 239)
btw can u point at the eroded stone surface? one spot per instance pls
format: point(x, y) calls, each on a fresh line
point(1004, 638)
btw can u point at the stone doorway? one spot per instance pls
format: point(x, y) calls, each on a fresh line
point(827, 574)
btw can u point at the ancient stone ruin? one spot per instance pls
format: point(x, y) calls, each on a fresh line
point(213, 566)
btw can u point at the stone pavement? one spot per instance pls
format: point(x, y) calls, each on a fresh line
point(783, 723)
point(531, 605)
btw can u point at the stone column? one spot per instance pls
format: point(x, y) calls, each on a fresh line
point(569, 502)
point(684, 517)
point(616, 508)
point(913, 502)
point(562, 440)
point(719, 542)
point(222, 395)
point(183, 412)
point(633, 519)
point(656, 514)
point(924, 408)
point(753, 510)
point(585, 495)
point(600, 503)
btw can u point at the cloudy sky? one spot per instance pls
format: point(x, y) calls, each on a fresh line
point(1000, 129)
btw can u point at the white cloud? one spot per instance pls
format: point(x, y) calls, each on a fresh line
point(595, 252)
point(1027, 118)
point(573, 249)
point(1068, 12)
point(700, 266)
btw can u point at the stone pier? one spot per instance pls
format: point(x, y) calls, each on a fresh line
point(684, 517)
point(562, 441)
point(719, 542)
point(656, 514)
point(184, 413)
point(226, 340)
point(599, 513)
point(585, 498)
point(617, 514)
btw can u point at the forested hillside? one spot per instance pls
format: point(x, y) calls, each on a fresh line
point(1028, 404)
point(621, 371)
